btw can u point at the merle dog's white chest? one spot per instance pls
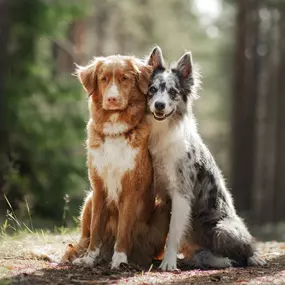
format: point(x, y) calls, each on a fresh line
point(168, 147)
point(112, 159)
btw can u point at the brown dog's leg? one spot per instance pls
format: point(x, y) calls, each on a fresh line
point(127, 220)
point(98, 213)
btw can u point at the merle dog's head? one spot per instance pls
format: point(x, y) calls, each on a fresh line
point(170, 89)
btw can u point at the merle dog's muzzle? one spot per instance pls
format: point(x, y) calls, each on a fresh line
point(159, 112)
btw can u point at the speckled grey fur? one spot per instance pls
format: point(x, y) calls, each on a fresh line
point(184, 164)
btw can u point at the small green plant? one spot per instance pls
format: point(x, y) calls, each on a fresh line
point(12, 221)
point(65, 208)
point(4, 228)
point(29, 213)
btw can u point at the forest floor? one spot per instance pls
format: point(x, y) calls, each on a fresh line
point(23, 261)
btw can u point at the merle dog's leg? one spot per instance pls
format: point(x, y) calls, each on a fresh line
point(179, 222)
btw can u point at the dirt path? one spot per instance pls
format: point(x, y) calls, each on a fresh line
point(21, 262)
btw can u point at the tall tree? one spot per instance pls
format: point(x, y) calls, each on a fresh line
point(265, 121)
point(280, 141)
point(244, 101)
point(43, 128)
point(258, 111)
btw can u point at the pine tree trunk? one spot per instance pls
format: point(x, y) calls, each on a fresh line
point(266, 118)
point(279, 214)
point(258, 111)
point(244, 101)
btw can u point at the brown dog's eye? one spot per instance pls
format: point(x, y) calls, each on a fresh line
point(125, 78)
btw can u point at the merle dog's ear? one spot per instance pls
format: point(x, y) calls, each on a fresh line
point(87, 75)
point(155, 58)
point(184, 65)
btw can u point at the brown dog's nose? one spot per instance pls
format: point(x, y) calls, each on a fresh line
point(112, 99)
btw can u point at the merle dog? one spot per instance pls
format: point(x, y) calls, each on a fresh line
point(202, 208)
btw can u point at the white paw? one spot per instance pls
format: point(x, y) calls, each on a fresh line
point(78, 261)
point(118, 258)
point(88, 259)
point(169, 262)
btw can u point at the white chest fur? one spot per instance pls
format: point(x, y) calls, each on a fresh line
point(168, 145)
point(112, 160)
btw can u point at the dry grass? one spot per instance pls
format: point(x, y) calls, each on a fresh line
point(23, 260)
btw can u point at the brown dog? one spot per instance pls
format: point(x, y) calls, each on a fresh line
point(119, 165)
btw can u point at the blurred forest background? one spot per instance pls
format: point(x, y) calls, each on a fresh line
point(239, 45)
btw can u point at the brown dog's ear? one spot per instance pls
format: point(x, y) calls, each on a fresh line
point(144, 78)
point(87, 75)
point(155, 58)
point(144, 72)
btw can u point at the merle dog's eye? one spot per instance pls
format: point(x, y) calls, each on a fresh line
point(172, 92)
point(152, 89)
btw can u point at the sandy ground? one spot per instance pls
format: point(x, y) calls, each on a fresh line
point(22, 261)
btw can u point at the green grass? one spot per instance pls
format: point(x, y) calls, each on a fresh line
point(12, 224)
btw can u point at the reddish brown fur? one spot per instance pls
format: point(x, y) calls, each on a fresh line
point(134, 222)
point(133, 103)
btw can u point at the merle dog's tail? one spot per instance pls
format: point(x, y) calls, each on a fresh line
point(205, 259)
point(227, 244)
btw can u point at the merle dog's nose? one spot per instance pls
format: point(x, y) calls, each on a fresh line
point(159, 106)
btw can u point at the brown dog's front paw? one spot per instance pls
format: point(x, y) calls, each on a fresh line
point(89, 259)
point(117, 259)
point(69, 255)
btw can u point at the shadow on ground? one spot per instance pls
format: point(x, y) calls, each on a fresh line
point(273, 272)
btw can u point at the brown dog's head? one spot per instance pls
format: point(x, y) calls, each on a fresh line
point(117, 87)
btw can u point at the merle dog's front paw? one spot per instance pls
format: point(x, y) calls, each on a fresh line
point(169, 262)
